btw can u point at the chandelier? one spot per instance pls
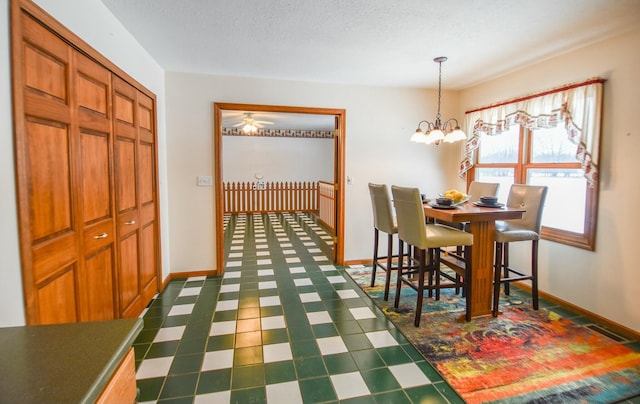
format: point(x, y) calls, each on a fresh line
point(437, 131)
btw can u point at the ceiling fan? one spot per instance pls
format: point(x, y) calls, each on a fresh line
point(251, 125)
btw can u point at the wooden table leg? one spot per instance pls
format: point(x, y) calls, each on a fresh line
point(482, 267)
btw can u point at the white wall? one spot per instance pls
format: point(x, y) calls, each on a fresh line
point(379, 124)
point(277, 159)
point(92, 21)
point(607, 281)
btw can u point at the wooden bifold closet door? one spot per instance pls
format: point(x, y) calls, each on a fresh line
point(86, 183)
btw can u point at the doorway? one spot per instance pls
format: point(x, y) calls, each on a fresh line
point(338, 171)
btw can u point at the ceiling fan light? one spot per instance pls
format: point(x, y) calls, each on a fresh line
point(249, 128)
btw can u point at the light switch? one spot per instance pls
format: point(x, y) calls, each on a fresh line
point(205, 181)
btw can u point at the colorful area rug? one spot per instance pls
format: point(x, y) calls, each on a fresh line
point(523, 356)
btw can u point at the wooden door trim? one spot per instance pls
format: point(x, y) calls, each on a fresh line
point(218, 107)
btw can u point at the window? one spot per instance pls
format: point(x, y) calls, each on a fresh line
point(543, 156)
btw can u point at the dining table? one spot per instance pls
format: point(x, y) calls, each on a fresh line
point(482, 224)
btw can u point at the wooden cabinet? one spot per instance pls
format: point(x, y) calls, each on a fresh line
point(122, 385)
point(85, 145)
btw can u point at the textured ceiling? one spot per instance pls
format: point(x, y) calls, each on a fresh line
point(368, 42)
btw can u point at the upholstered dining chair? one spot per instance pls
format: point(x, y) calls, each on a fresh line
point(531, 198)
point(478, 189)
point(426, 240)
point(383, 221)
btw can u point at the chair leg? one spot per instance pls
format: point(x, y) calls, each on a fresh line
point(430, 262)
point(534, 273)
point(376, 235)
point(396, 302)
point(421, 267)
point(505, 266)
point(389, 259)
point(466, 288)
point(496, 278)
point(436, 263)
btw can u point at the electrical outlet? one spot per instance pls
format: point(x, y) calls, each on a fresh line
point(205, 181)
point(349, 180)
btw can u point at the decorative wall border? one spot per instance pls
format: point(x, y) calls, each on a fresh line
point(314, 134)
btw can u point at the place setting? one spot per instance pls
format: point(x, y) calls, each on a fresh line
point(488, 202)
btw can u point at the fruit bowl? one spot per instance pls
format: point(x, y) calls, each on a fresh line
point(457, 196)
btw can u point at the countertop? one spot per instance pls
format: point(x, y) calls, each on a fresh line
point(62, 363)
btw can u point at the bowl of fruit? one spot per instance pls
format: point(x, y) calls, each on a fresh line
point(455, 195)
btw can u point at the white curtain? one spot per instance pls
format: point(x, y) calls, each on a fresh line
point(576, 106)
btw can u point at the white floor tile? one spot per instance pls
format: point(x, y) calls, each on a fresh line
point(276, 352)
point(347, 294)
point(409, 375)
point(360, 313)
point(308, 244)
point(223, 328)
point(196, 278)
point(267, 285)
point(233, 264)
point(319, 317)
point(235, 255)
point(213, 398)
point(262, 246)
point(262, 253)
point(269, 301)
point(236, 248)
point(302, 282)
point(325, 268)
point(349, 385)
point(272, 323)
point(315, 250)
point(286, 245)
point(232, 275)
point(381, 339)
point(288, 392)
point(261, 240)
point(156, 367)
point(169, 334)
point(181, 309)
point(309, 297)
point(336, 279)
point(234, 287)
point(225, 305)
point(190, 291)
point(217, 360)
point(297, 270)
point(320, 258)
point(264, 262)
point(265, 272)
point(292, 260)
point(331, 345)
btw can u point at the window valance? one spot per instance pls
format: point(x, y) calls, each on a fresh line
point(577, 106)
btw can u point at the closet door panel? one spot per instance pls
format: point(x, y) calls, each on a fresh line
point(49, 179)
point(96, 278)
point(129, 281)
point(57, 299)
point(125, 163)
point(95, 295)
point(46, 175)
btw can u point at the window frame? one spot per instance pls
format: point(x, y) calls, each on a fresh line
point(585, 240)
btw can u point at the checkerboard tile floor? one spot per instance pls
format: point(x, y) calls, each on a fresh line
point(282, 325)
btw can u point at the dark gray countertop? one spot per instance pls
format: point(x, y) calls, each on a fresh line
point(62, 363)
